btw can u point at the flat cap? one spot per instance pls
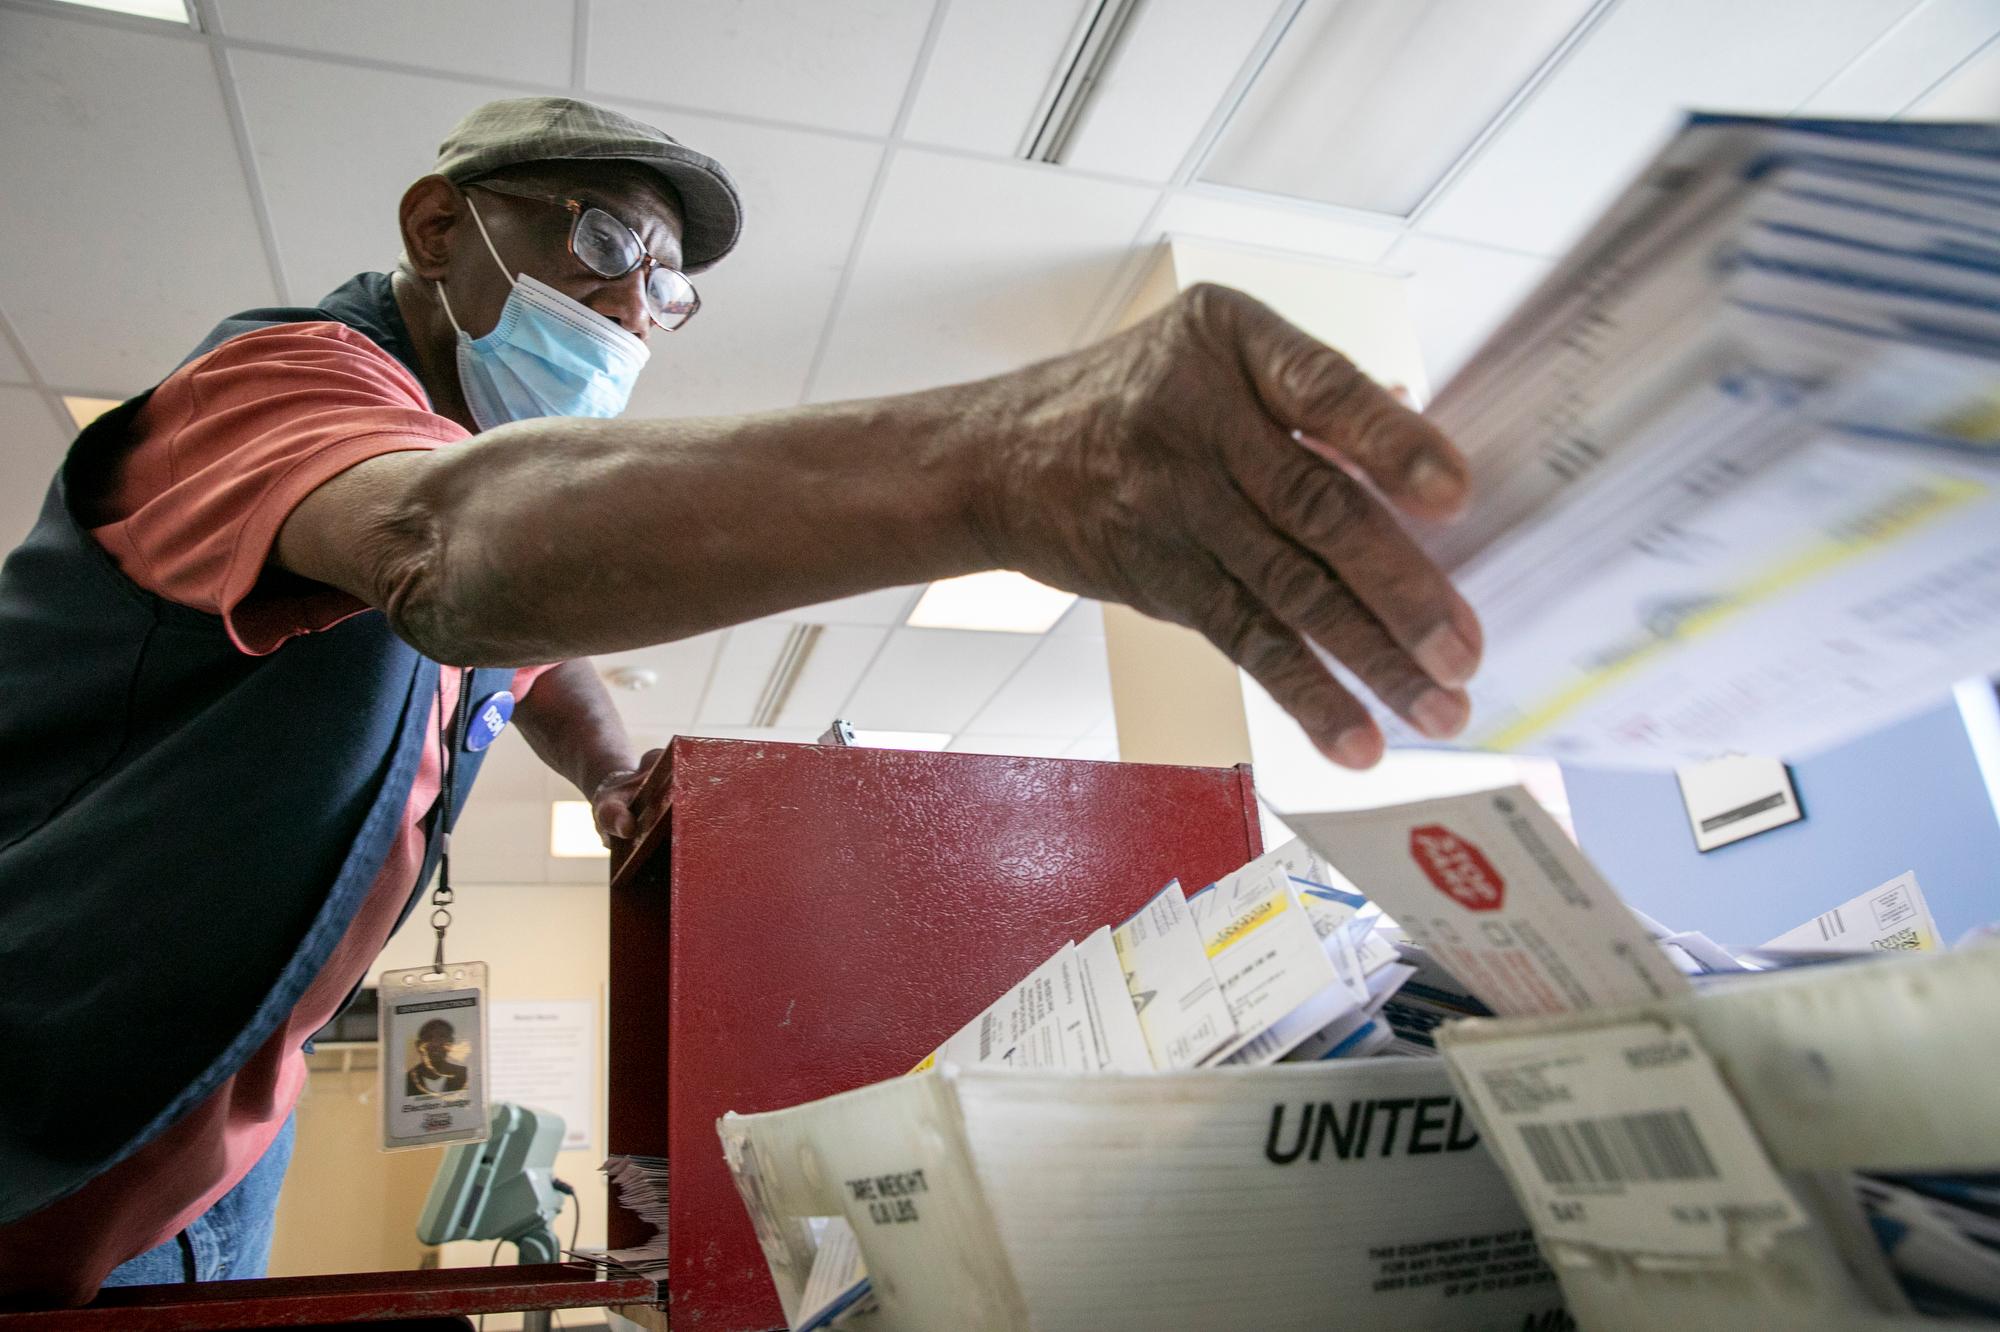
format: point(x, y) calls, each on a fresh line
point(558, 129)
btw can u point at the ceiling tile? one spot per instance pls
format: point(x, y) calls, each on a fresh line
point(838, 659)
point(33, 446)
point(127, 217)
point(970, 268)
point(751, 653)
point(333, 178)
point(762, 308)
point(1027, 746)
point(1971, 92)
point(525, 40)
point(1083, 620)
point(1624, 91)
point(1169, 75)
point(1458, 294)
point(786, 735)
point(935, 679)
point(837, 66)
point(512, 771)
point(503, 840)
point(683, 668)
point(573, 869)
point(888, 606)
point(12, 371)
point(1102, 748)
point(993, 61)
point(1277, 225)
point(1064, 689)
point(1910, 60)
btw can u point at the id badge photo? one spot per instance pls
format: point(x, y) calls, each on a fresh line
point(433, 1055)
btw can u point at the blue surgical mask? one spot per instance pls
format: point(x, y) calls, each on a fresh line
point(548, 356)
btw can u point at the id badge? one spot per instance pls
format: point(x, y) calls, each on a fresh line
point(433, 1055)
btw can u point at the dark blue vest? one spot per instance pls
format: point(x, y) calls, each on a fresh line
point(185, 831)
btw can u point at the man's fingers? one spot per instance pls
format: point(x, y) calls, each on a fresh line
point(1333, 519)
point(1275, 657)
point(1343, 415)
point(1315, 603)
point(614, 815)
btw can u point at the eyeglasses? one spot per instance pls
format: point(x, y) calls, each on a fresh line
point(610, 249)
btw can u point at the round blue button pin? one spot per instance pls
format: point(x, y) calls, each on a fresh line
point(489, 718)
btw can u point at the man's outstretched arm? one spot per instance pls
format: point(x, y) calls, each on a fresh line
point(1159, 468)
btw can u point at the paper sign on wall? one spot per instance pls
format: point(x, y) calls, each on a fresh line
point(545, 1056)
point(1729, 799)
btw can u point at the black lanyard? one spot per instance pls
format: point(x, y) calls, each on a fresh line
point(451, 742)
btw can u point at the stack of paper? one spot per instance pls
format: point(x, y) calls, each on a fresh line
point(1735, 468)
point(639, 1184)
point(1281, 960)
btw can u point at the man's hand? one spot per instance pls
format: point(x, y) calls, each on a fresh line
point(1161, 469)
point(617, 802)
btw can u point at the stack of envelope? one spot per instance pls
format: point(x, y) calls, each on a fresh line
point(1736, 462)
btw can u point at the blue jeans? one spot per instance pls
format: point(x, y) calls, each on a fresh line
point(228, 1242)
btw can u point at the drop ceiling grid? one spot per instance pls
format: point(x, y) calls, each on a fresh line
point(280, 28)
point(474, 87)
point(35, 446)
point(18, 368)
point(1587, 126)
point(1847, 34)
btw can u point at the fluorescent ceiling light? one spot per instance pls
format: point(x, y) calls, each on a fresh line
point(169, 11)
point(573, 832)
point(1369, 104)
point(85, 410)
point(902, 739)
point(998, 602)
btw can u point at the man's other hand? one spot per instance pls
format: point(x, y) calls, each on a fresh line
point(1216, 467)
point(619, 803)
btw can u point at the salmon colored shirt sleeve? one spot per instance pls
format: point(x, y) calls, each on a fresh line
point(228, 446)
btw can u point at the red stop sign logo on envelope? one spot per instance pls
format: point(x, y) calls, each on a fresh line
point(1460, 870)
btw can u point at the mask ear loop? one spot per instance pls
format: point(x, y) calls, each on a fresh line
point(477, 221)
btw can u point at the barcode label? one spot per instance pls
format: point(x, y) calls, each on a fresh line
point(1624, 1138)
point(1654, 1146)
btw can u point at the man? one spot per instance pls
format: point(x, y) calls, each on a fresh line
point(433, 1073)
point(220, 694)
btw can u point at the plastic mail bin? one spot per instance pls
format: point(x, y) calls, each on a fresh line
point(1293, 1198)
point(1889, 1066)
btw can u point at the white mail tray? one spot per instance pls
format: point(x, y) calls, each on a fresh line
point(1346, 1193)
point(1889, 1066)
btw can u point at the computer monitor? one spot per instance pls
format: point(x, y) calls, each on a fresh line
point(501, 1188)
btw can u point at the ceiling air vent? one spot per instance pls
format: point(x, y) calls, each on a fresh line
point(797, 650)
point(1083, 63)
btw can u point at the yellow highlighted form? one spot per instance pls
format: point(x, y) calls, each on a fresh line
point(1912, 507)
point(1234, 932)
